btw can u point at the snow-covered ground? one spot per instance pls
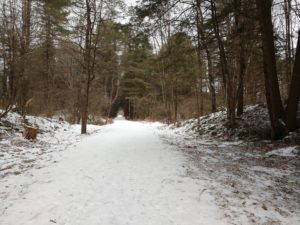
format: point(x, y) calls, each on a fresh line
point(252, 124)
point(121, 175)
point(137, 173)
point(252, 183)
point(18, 155)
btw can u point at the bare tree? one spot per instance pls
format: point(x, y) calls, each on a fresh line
point(93, 17)
point(22, 87)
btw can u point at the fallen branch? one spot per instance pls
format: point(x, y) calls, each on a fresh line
point(6, 111)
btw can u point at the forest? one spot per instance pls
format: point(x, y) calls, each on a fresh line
point(149, 112)
point(166, 60)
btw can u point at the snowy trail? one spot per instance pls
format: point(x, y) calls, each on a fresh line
point(123, 175)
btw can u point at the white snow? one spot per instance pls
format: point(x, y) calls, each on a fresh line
point(253, 124)
point(142, 173)
point(249, 187)
point(18, 155)
point(123, 174)
point(285, 152)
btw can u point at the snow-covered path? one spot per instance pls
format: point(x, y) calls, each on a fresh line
point(123, 175)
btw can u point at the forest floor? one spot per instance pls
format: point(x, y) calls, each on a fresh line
point(252, 182)
point(144, 173)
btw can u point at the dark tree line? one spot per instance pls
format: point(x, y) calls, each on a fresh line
point(237, 50)
point(52, 51)
point(173, 60)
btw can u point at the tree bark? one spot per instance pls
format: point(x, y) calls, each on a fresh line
point(228, 80)
point(22, 86)
point(12, 55)
point(240, 29)
point(48, 59)
point(202, 42)
point(93, 16)
point(211, 81)
point(288, 53)
point(87, 69)
point(199, 60)
point(273, 97)
point(294, 94)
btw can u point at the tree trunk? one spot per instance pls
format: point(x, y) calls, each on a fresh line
point(294, 95)
point(227, 77)
point(93, 11)
point(25, 42)
point(12, 55)
point(211, 80)
point(48, 58)
point(84, 114)
point(86, 70)
point(240, 29)
point(273, 97)
point(240, 98)
point(288, 53)
point(197, 101)
point(175, 101)
point(199, 60)
point(202, 42)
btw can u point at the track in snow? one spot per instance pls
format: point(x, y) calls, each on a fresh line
point(122, 175)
